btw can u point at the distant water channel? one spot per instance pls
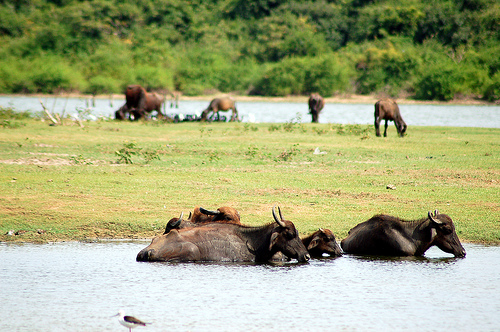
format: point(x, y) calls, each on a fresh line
point(280, 112)
point(78, 287)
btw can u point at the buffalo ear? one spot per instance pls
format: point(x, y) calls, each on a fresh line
point(313, 244)
point(433, 218)
point(251, 248)
point(274, 239)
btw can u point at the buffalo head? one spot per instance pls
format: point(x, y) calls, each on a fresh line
point(223, 215)
point(322, 241)
point(445, 237)
point(285, 238)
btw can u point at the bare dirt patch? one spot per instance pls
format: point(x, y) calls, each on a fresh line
point(38, 161)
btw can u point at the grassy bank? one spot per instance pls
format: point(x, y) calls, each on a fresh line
point(126, 180)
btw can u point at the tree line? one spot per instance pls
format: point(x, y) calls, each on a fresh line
point(422, 49)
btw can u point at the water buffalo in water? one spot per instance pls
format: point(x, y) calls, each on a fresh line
point(318, 243)
point(316, 104)
point(201, 216)
point(139, 103)
point(390, 236)
point(322, 242)
point(227, 242)
point(220, 104)
point(388, 110)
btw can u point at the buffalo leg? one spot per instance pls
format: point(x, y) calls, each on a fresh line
point(386, 125)
point(377, 127)
point(398, 128)
point(234, 117)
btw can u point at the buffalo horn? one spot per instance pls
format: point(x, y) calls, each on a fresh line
point(433, 218)
point(175, 223)
point(208, 212)
point(280, 222)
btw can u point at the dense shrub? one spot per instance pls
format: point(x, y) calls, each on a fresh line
point(434, 49)
point(441, 82)
point(492, 91)
point(387, 68)
point(295, 76)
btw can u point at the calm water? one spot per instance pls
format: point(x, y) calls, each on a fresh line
point(414, 115)
point(78, 286)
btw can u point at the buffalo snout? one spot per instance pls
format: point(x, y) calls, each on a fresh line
point(304, 258)
point(145, 255)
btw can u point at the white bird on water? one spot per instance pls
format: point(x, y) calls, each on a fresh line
point(129, 321)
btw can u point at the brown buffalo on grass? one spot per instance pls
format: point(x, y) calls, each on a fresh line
point(139, 103)
point(388, 110)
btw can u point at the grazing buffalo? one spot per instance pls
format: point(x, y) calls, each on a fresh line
point(201, 216)
point(316, 104)
point(388, 110)
point(390, 236)
point(227, 242)
point(139, 103)
point(322, 242)
point(220, 104)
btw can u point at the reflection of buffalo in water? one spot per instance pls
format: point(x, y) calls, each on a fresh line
point(316, 104)
point(139, 103)
point(220, 104)
point(390, 236)
point(388, 110)
point(227, 242)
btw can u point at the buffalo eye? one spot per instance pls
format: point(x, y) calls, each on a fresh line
point(446, 230)
point(289, 235)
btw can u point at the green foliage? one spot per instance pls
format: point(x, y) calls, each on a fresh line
point(492, 92)
point(442, 81)
point(383, 20)
point(11, 114)
point(129, 150)
point(390, 68)
point(264, 47)
point(326, 75)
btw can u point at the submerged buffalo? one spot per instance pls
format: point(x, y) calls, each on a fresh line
point(322, 242)
point(201, 216)
point(220, 104)
point(388, 110)
point(139, 103)
point(316, 104)
point(227, 242)
point(390, 236)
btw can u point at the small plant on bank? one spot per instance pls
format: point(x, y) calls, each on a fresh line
point(287, 155)
point(252, 152)
point(125, 154)
point(131, 149)
point(294, 123)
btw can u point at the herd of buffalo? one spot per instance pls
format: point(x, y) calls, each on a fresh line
point(219, 236)
point(139, 104)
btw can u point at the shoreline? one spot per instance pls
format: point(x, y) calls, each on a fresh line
point(341, 99)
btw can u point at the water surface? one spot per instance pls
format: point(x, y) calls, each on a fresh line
point(279, 112)
point(78, 286)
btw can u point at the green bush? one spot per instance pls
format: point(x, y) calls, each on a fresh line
point(492, 92)
point(52, 74)
point(101, 84)
point(285, 78)
point(327, 75)
point(388, 67)
point(441, 82)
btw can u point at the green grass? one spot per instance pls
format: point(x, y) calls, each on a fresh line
point(67, 181)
